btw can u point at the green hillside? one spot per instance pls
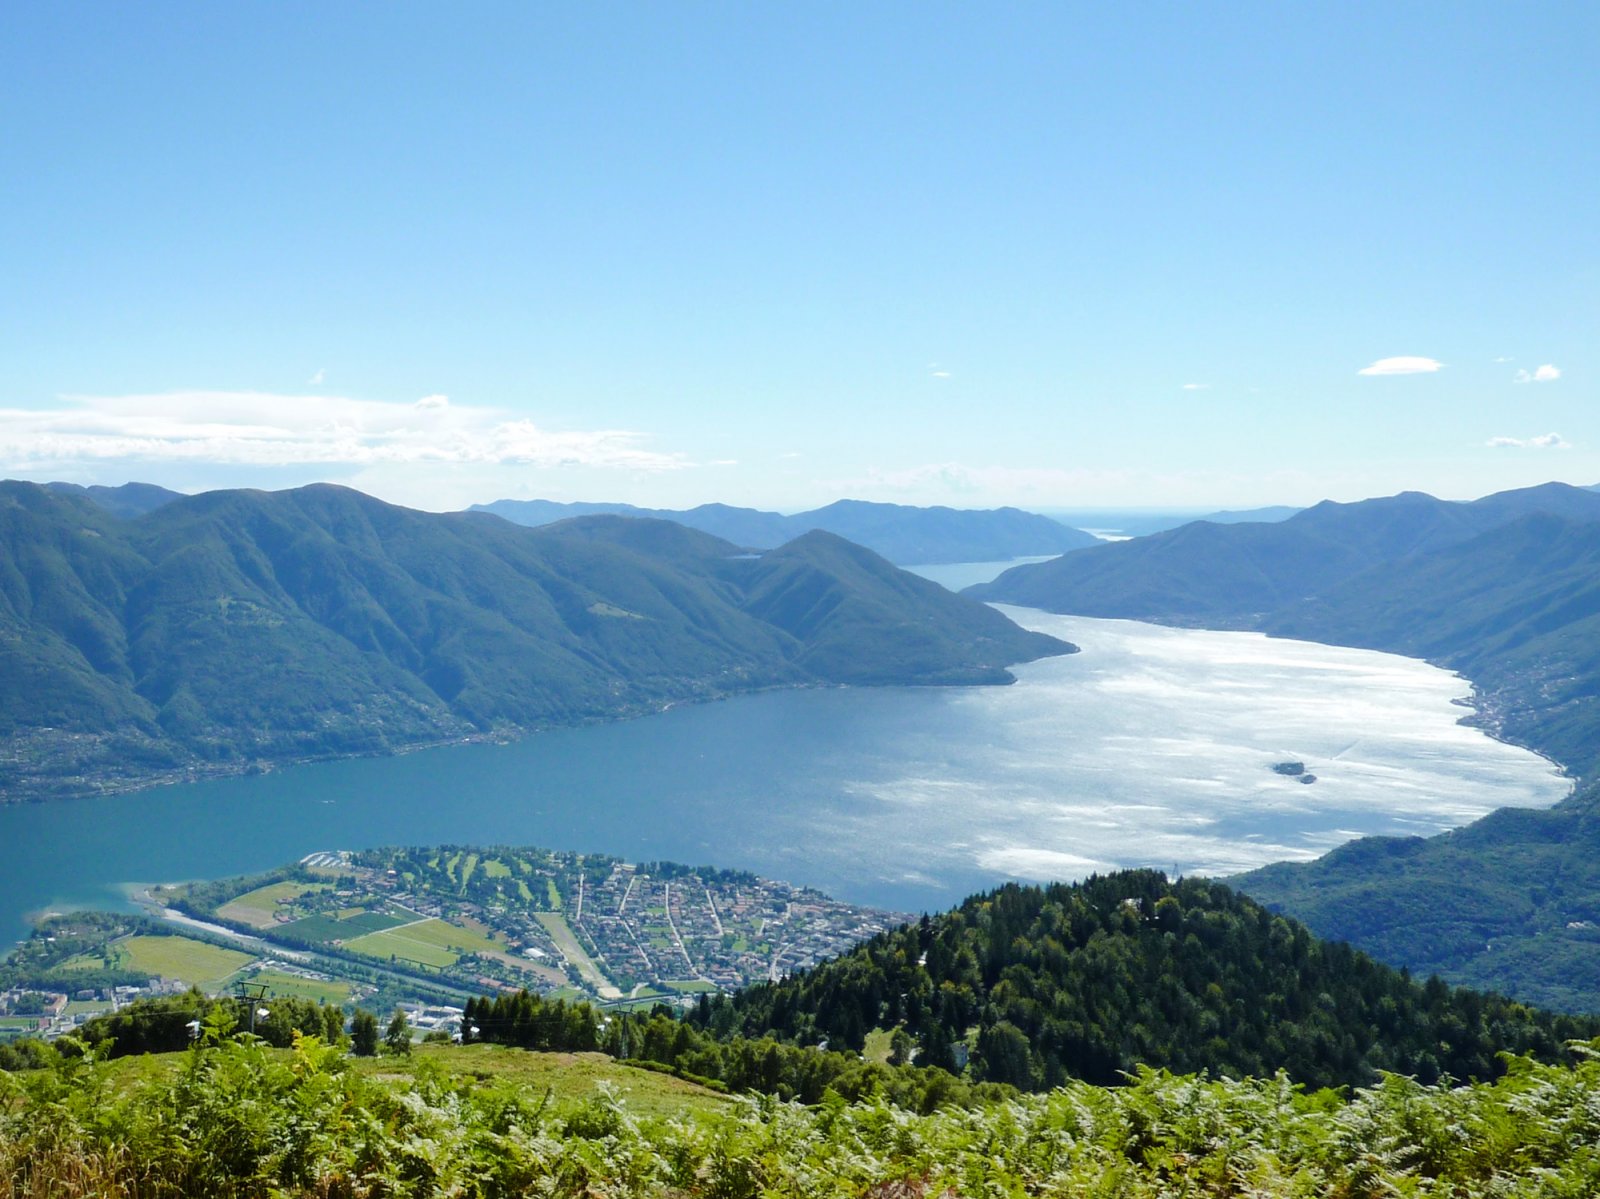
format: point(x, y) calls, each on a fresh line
point(1090, 981)
point(1234, 575)
point(1510, 903)
point(239, 627)
point(1515, 609)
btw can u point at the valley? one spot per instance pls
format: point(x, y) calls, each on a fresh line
point(751, 602)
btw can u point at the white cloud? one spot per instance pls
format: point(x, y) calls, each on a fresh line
point(1402, 366)
point(1197, 387)
point(1545, 441)
point(247, 428)
point(1543, 374)
point(316, 379)
point(1505, 358)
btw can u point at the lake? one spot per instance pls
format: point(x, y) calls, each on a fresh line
point(1152, 747)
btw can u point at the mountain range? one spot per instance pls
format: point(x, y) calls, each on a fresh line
point(1139, 522)
point(1233, 575)
point(905, 535)
point(1501, 589)
point(237, 628)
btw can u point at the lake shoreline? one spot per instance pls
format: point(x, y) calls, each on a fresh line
point(1484, 705)
point(1481, 715)
point(1149, 748)
point(508, 735)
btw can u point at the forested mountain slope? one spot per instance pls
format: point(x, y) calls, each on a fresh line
point(1509, 903)
point(1234, 576)
point(240, 626)
point(1515, 609)
point(1502, 589)
point(1090, 981)
point(901, 533)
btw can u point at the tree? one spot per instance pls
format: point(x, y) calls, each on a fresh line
point(398, 1035)
point(332, 1024)
point(364, 1033)
point(1006, 1055)
point(900, 1047)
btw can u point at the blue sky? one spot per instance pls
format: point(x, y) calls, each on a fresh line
point(1050, 255)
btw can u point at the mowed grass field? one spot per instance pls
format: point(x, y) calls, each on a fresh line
point(293, 986)
point(432, 942)
point(192, 962)
point(569, 1078)
point(350, 924)
point(258, 908)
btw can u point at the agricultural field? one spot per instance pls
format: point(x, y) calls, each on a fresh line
point(194, 963)
point(689, 986)
point(346, 925)
point(561, 934)
point(432, 942)
point(260, 908)
point(333, 991)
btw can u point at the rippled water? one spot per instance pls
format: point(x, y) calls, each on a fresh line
point(1153, 746)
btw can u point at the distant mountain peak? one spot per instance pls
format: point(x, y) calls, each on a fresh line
point(904, 534)
point(124, 502)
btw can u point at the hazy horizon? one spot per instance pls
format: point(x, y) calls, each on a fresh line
point(1058, 512)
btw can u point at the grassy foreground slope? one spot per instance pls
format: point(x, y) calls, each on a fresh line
point(240, 1120)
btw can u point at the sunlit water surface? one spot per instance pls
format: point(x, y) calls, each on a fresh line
point(1153, 746)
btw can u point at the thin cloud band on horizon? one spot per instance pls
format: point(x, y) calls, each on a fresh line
point(250, 428)
point(1545, 441)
